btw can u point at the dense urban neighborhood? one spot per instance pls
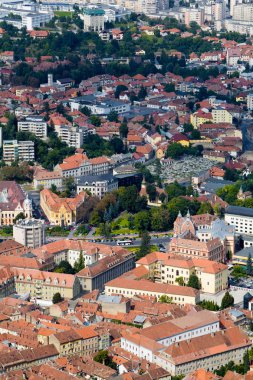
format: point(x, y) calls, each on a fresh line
point(126, 190)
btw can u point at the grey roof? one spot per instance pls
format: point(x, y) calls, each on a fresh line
point(245, 252)
point(109, 299)
point(139, 319)
point(95, 178)
point(241, 211)
point(236, 313)
point(211, 185)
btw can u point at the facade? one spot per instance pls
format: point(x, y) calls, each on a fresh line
point(130, 288)
point(112, 266)
point(221, 115)
point(72, 135)
point(44, 179)
point(98, 107)
point(211, 249)
point(93, 19)
point(13, 201)
point(62, 211)
point(29, 232)
point(35, 125)
point(14, 150)
point(43, 285)
point(241, 218)
point(67, 343)
point(169, 268)
point(250, 102)
point(97, 185)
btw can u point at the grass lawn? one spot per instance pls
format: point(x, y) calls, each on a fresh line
point(123, 225)
point(63, 14)
point(153, 248)
point(57, 231)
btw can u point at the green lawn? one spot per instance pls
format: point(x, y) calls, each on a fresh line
point(63, 14)
point(57, 231)
point(153, 248)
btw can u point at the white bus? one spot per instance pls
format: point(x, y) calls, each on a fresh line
point(124, 242)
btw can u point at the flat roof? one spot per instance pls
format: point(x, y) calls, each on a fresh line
point(238, 210)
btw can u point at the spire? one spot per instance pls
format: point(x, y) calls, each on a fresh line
point(240, 191)
point(188, 215)
point(179, 214)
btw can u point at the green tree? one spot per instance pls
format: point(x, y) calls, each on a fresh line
point(194, 281)
point(151, 191)
point(113, 116)
point(142, 221)
point(180, 281)
point(249, 265)
point(21, 215)
point(165, 299)
point(79, 264)
point(64, 267)
point(227, 301)
point(145, 245)
point(175, 150)
point(57, 298)
point(120, 88)
point(104, 358)
point(205, 208)
point(95, 120)
point(142, 93)
point(246, 362)
point(123, 130)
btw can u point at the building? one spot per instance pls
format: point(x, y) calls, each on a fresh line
point(29, 232)
point(221, 115)
point(171, 269)
point(94, 276)
point(44, 179)
point(67, 342)
point(130, 288)
point(13, 202)
point(43, 285)
point(211, 250)
point(250, 102)
point(62, 211)
point(97, 185)
point(98, 106)
point(14, 150)
point(34, 124)
point(73, 135)
point(243, 12)
point(93, 19)
point(194, 15)
point(241, 218)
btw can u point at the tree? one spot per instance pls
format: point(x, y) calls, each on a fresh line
point(142, 221)
point(249, 265)
point(175, 150)
point(194, 281)
point(246, 362)
point(165, 299)
point(64, 267)
point(145, 245)
point(113, 116)
point(142, 93)
point(123, 130)
point(86, 111)
point(57, 298)
point(195, 135)
point(180, 281)
point(205, 208)
point(151, 191)
point(79, 264)
point(120, 88)
point(104, 358)
point(20, 215)
point(227, 301)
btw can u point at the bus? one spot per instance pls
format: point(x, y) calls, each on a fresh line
point(124, 242)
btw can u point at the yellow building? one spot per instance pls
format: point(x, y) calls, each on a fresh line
point(67, 342)
point(200, 117)
point(43, 285)
point(62, 211)
point(176, 270)
point(221, 115)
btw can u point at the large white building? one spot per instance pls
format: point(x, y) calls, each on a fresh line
point(241, 218)
point(34, 124)
point(29, 232)
point(250, 101)
point(14, 150)
point(97, 185)
point(99, 107)
point(93, 19)
point(73, 135)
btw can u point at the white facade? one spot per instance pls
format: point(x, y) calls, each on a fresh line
point(250, 102)
point(14, 150)
point(93, 19)
point(35, 125)
point(29, 232)
point(97, 186)
point(73, 136)
point(241, 218)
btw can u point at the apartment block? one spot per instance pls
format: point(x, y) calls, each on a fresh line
point(93, 19)
point(221, 115)
point(34, 124)
point(44, 179)
point(241, 218)
point(14, 150)
point(73, 136)
point(29, 232)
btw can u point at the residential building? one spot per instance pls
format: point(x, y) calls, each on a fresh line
point(241, 218)
point(62, 211)
point(221, 115)
point(34, 124)
point(97, 185)
point(67, 343)
point(94, 276)
point(14, 150)
point(99, 106)
point(29, 232)
point(250, 102)
point(130, 288)
point(93, 19)
point(13, 201)
point(43, 285)
point(243, 12)
point(171, 269)
point(194, 15)
point(73, 135)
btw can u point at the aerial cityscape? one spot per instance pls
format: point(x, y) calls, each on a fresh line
point(126, 190)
